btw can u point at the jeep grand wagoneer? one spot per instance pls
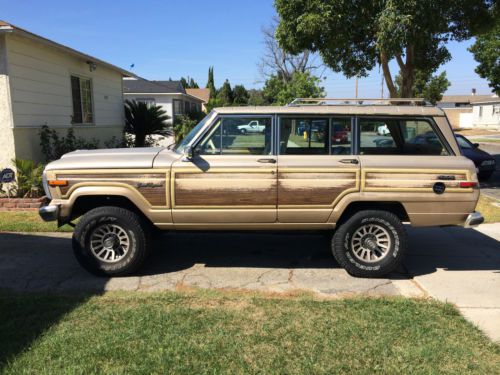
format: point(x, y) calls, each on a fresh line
point(312, 165)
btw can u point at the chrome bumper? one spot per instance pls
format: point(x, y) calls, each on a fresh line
point(49, 213)
point(474, 219)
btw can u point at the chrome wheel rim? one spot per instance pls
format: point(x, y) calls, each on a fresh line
point(371, 243)
point(109, 243)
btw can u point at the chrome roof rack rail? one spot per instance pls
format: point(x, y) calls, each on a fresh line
point(359, 101)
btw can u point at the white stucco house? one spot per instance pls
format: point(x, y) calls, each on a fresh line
point(43, 82)
point(170, 95)
point(486, 113)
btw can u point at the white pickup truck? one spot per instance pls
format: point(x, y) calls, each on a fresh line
point(252, 127)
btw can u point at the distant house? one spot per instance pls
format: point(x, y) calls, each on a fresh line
point(459, 108)
point(43, 82)
point(203, 94)
point(170, 95)
point(486, 114)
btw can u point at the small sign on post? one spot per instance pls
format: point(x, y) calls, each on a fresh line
point(7, 176)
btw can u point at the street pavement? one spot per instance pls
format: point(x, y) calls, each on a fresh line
point(457, 265)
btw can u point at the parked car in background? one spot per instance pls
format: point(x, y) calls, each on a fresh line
point(252, 127)
point(484, 162)
point(340, 134)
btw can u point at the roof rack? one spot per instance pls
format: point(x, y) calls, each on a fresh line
point(359, 101)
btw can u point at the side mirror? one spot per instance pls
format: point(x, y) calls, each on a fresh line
point(476, 145)
point(188, 153)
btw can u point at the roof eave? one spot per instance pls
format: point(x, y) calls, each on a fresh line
point(26, 34)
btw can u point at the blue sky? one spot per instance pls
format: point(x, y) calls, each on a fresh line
point(183, 38)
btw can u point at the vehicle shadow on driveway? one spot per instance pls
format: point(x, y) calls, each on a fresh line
point(451, 249)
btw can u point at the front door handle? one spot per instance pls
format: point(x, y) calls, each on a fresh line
point(349, 161)
point(272, 161)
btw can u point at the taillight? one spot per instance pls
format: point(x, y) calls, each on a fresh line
point(468, 184)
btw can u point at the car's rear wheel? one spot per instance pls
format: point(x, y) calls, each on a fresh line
point(371, 243)
point(111, 241)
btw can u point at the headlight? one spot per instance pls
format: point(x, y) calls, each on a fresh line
point(46, 185)
point(488, 162)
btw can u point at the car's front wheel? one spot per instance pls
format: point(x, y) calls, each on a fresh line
point(243, 131)
point(111, 241)
point(371, 243)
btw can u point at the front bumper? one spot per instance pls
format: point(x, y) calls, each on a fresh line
point(474, 219)
point(49, 212)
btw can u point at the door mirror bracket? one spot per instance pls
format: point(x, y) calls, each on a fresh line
point(189, 153)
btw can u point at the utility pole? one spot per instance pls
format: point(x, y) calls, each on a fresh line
point(356, 87)
point(382, 88)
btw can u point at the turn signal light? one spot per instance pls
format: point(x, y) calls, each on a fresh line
point(54, 183)
point(468, 184)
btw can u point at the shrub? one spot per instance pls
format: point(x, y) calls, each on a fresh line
point(28, 178)
point(54, 145)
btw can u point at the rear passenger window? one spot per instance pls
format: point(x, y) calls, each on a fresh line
point(315, 136)
point(399, 137)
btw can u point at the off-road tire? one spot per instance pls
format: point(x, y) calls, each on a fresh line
point(133, 225)
point(343, 250)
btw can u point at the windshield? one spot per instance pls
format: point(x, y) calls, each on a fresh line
point(462, 142)
point(188, 138)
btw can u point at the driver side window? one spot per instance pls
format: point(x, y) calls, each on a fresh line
point(235, 135)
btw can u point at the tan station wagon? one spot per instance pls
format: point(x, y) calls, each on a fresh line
point(358, 169)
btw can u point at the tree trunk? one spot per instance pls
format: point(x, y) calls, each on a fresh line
point(140, 140)
point(387, 76)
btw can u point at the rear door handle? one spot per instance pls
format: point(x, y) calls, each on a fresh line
point(272, 161)
point(349, 161)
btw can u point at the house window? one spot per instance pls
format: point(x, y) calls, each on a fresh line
point(480, 111)
point(178, 107)
point(148, 101)
point(81, 91)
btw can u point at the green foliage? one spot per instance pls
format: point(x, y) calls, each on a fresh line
point(255, 97)
point(189, 83)
point(225, 94)
point(352, 37)
point(184, 123)
point(53, 145)
point(211, 83)
point(143, 120)
point(28, 178)
point(426, 86)
point(301, 85)
point(486, 52)
point(241, 95)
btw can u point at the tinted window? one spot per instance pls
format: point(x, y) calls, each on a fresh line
point(301, 136)
point(462, 142)
point(341, 136)
point(238, 136)
point(399, 137)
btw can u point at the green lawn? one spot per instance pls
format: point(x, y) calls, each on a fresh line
point(28, 221)
point(209, 332)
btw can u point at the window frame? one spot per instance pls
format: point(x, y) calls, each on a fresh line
point(216, 119)
point(311, 116)
point(92, 103)
point(429, 120)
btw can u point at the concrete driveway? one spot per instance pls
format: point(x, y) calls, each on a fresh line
point(457, 265)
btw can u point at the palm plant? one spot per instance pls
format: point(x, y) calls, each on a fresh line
point(143, 120)
point(29, 178)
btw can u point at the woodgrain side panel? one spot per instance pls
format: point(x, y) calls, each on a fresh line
point(413, 180)
point(151, 186)
point(224, 189)
point(303, 188)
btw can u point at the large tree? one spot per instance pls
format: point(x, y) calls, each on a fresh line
point(211, 82)
point(225, 94)
point(301, 85)
point(427, 86)
point(240, 95)
point(486, 51)
point(352, 37)
point(277, 61)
